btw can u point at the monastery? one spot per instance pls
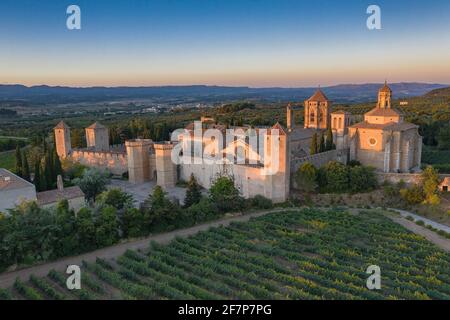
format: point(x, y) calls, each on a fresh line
point(383, 140)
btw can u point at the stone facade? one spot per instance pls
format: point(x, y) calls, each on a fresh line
point(115, 162)
point(384, 140)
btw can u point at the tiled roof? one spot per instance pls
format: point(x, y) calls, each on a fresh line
point(53, 196)
point(62, 125)
point(9, 181)
point(385, 126)
point(96, 125)
point(382, 112)
point(318, 96)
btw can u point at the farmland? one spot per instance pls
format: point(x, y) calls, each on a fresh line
point(296, 254)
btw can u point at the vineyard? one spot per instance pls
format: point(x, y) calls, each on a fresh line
point(303, 254)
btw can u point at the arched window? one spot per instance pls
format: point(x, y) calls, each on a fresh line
point(340, 123)
point(334, 123)
point(311, 116)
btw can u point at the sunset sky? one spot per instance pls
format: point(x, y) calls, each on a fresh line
point(258, 43)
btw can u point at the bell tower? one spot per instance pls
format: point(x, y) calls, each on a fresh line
point(317, 111)
point(384, 97)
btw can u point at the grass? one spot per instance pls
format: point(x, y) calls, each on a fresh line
point(300, 254)
point(7, 160)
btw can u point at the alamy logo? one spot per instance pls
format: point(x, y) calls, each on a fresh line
point(374, 20)
point(374, 280)
point(73, 21)
point(74, 280)
point(238, 146)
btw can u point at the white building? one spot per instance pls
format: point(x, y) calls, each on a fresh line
point(14, 190)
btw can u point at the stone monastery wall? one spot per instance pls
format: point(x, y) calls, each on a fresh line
point(115, 162)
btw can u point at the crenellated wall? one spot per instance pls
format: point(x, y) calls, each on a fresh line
point(115, 162)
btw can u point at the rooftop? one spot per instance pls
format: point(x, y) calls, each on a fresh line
point(96, 125)
point(57, 195)
point(318, 96)
point(62, 125)
point(9, 181)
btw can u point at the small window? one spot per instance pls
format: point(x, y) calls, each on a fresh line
point(372, 141)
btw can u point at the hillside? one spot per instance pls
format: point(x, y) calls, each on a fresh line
point(345, 93)
point(442, 92)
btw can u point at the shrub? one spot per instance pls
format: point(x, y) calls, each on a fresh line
point(306, 177)
point(413, 195)
point(260, 202)
point(225, 196)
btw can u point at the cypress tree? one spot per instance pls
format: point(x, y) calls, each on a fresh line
point(193, 193)
point(329, 141)
point(19, 167)
point(48, 172)
point(37, 176)
point(313, 148)
point(26, 167)
point(322, 143)
point(57, 167)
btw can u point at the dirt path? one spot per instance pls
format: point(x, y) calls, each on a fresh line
point(431, 236)
point(7, 279)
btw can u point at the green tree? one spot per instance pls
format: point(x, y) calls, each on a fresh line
point(106, 227)
point(306, 177)
point(132, 223)
point(26, 167)
point(313, 148)
point(37, 176)
point(116, 198)
point(362, 179)
point(225, 196)
point(336, 176)
point(77, 138)
point(443, 138)
point(322, 144)
point(329, 145)
point(430, 185)
point(159, 212)
point(193, 193)
point(57, 167)
point(19, 167)
point(67, 243)
point(85, 230)
point(92, 183)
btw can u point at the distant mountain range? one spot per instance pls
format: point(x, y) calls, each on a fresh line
point(345, 93)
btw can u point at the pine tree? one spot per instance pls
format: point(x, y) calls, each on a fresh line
point(193, 193)
point(329, 141)
point(322, 143)
point(37, 176)
point(26, 167)
point(19, 167)
point(313, 148)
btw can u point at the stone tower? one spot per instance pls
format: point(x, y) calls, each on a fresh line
point(138, 160)
point(317, 111)
point(62, 139)
point(97, 137)
point(384, 97)
point(276, 164)
point(166, 170)
point(289, 117)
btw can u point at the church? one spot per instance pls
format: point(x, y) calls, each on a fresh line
point(384, 140)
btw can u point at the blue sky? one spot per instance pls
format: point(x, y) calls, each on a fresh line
point(225, 42)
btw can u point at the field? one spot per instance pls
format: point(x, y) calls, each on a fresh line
point(302, 254)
